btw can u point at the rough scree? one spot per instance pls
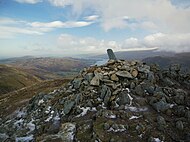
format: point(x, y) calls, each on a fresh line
point(116, 102)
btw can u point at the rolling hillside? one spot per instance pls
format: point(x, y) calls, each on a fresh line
point(48, 67)
point(12, 78)
point(165, 61)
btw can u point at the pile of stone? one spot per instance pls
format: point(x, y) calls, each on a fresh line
point(116, 102)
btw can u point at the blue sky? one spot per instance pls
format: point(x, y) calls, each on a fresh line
point(71, 27)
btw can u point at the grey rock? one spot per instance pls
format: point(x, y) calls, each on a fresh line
point(180, 96)
point(179, 99)
point(180, 110)
point(150, 89)
point(68, 106)
point(139, 90)
point(140, 128)
point(114, 77)
point(54, 127)
point(151, 77)
point(144, 69)
point(161, 122)
point(88, 76)
point(124, 74)
point(132, 85)
point(175, 67)
point(179, 125)
point(134, 73)
point(77, 99)
point(111, 55)
point(3, 137)
point(168, 82)
point(124, 98)
point(188, 115)
point(96, 79)
point(161, 106)
point(106, 126)
point(77, 82)
point(115, 126)
point(107, 96)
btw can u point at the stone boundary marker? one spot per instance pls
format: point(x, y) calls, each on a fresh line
point(111, 55)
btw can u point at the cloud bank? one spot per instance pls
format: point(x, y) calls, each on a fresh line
point(10, 27)
point(159, 41)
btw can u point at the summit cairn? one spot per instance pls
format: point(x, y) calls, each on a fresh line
point(116, 102)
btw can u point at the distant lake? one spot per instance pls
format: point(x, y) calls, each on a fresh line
point(101, 62)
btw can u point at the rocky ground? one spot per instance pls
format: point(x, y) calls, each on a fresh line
point(121, 101)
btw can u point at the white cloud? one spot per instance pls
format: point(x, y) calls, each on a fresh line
point(11, 27)
point(160, 14)
point(29, 1)
point(61, 3)
point(75, 45)
point(164, 42)
point(161, 41)
point(91, 18)
point(60, 24)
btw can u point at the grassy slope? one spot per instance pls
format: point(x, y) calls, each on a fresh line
point(12, 101)
point(12, 78)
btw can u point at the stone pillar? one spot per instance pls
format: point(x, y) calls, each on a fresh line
point(111, 55)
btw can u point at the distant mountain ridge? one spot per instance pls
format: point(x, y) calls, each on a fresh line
point(48, 67)
point(137, 55)
point(165, 61)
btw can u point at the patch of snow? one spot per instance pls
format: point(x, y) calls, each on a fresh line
point(48, 109)
point(131, 99)
point(135, 109)
point(134, 117)
point(31, 126)
point(24, 139)
point(126, 89)
point(40, 102)
point(93, 109)
point(56, 118)
point(85, 110)
point(99, 99)
point(157, 140)
point(116, 104)
point(62, 113)
point(19, 122)
point(49, 118)
point(117, 130)
point(94, 91)
point(54, 91)
point(140, 136)
point(103, 105)
point(113, 116)
point(172, 105)
point(20, 113)
point(52, 112)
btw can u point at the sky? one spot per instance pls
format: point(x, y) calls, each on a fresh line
point(73, 27)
